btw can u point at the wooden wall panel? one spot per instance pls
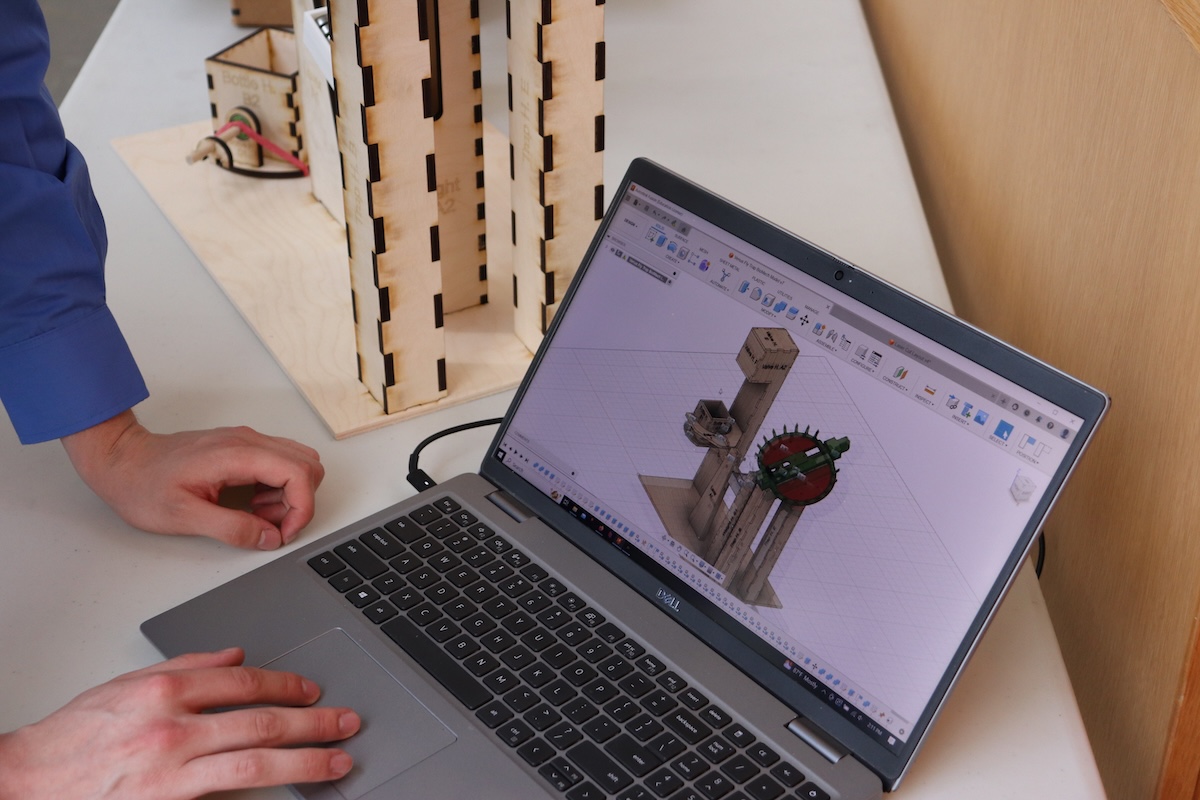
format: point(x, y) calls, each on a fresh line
point(1056, 146)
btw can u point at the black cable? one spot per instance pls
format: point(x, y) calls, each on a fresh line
point(418, 477)
point(1041, 556)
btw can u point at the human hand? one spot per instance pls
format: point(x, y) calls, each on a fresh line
point(143, 735)
point(170, 483)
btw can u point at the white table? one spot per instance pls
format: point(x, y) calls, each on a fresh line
point(778, 105)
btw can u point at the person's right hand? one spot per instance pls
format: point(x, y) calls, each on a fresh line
point(144, 736)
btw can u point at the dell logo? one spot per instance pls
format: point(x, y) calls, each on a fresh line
point(667, 599)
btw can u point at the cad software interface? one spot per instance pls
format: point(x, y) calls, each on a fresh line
point(843, 488)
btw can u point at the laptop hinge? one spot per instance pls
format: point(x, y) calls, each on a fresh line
point(818, 741)
point(509, 505)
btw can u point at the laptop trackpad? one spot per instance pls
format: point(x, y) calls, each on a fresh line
point(397, 732)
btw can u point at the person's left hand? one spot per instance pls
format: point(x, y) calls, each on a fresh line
point(170, 483)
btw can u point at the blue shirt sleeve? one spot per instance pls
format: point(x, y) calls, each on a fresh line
point(64, 364)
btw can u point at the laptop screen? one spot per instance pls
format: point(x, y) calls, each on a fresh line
point(846, 495)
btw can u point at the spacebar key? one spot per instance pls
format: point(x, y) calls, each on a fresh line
point(599, 767)
point(437, 663)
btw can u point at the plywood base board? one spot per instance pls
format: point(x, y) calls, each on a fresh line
point(280, 258)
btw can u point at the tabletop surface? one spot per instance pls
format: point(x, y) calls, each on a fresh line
point(778, 106)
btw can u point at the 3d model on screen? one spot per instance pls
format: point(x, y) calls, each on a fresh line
point(794, 469)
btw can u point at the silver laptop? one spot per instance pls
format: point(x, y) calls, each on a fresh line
point(742, 526)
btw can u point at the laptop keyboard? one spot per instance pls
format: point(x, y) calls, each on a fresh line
point(594, 711)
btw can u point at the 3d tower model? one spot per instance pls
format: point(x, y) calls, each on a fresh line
point(794, 468)
point(556, 144)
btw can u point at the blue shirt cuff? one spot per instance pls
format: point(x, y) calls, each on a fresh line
point(69, 379)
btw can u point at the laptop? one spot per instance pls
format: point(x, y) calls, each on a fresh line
point(743, 524)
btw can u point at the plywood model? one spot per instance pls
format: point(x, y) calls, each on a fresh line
point(314, 61)
point(1055, 147)
point(255, 79)
point(385, 133)
point(556, 144)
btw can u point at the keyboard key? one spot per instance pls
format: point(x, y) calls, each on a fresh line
point(470, 692)
point(462, 576)
point(684, 723)
point(579, 673)
point(447, 505)
point(494, 714)
point(519, 623)
point(593, 651)
point(499, 607)
point(571, 602)
point(601, 729)
point(663, 782)
point(761, 754)
point(497, 545)
point(622, 709)
point(380, 612)
point(651, 665)
point(460, 542)
point(599, 767)
point(478, 556)
point(425, 515)
point(558, 692)
point(534, 572)
point(610, 634)
point(462, 646)
point(580, 710)
point(463, 518)
point(442, 630)
point(600, 691)
point(787, 774)
point(534, 602)
point(552, 587)
point(535, 752)
point(644, 727)
point(636, 684)
point(405, 563)
point(715, 717)
point(714, 785)
point(631, 649)
point(516, 559)
point(422, 577)
point(384, 544)
point(537, 639)
point(739, 768)
point(459, 608)
point(497, 641)
point(387, 583)
point(496, 571)
point(481, 664)
point(763, 787)
point(517, 658)
point(635, 793)
point(658, 703)
point(563, 735)
point(405, 598)
point(537, 675)
point(444, 562)
point(586, 791)
point(590, 617)
point(558, 655)
point(500, 681)
point(632, 755)
point(521, 699)
point(716, 749)
point(561, 774)
point(615, 667)
point(666, 746)
point(514, 733)
point(542, 718)
point(424, 614)
point(362, 597)
point(404, 529)
point(427, 548)
point(554, 618)
point(810, 791)
point(692, 699)
point(441, 593)
point(739, 735)
point(345, 580)
point(480, 531)
point(690, 766)
point(671, 682)
point(442, 528)
point(326, 564)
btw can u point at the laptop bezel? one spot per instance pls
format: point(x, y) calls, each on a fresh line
point(692, 612)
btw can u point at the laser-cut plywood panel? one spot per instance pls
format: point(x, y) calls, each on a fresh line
point(556, 144)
